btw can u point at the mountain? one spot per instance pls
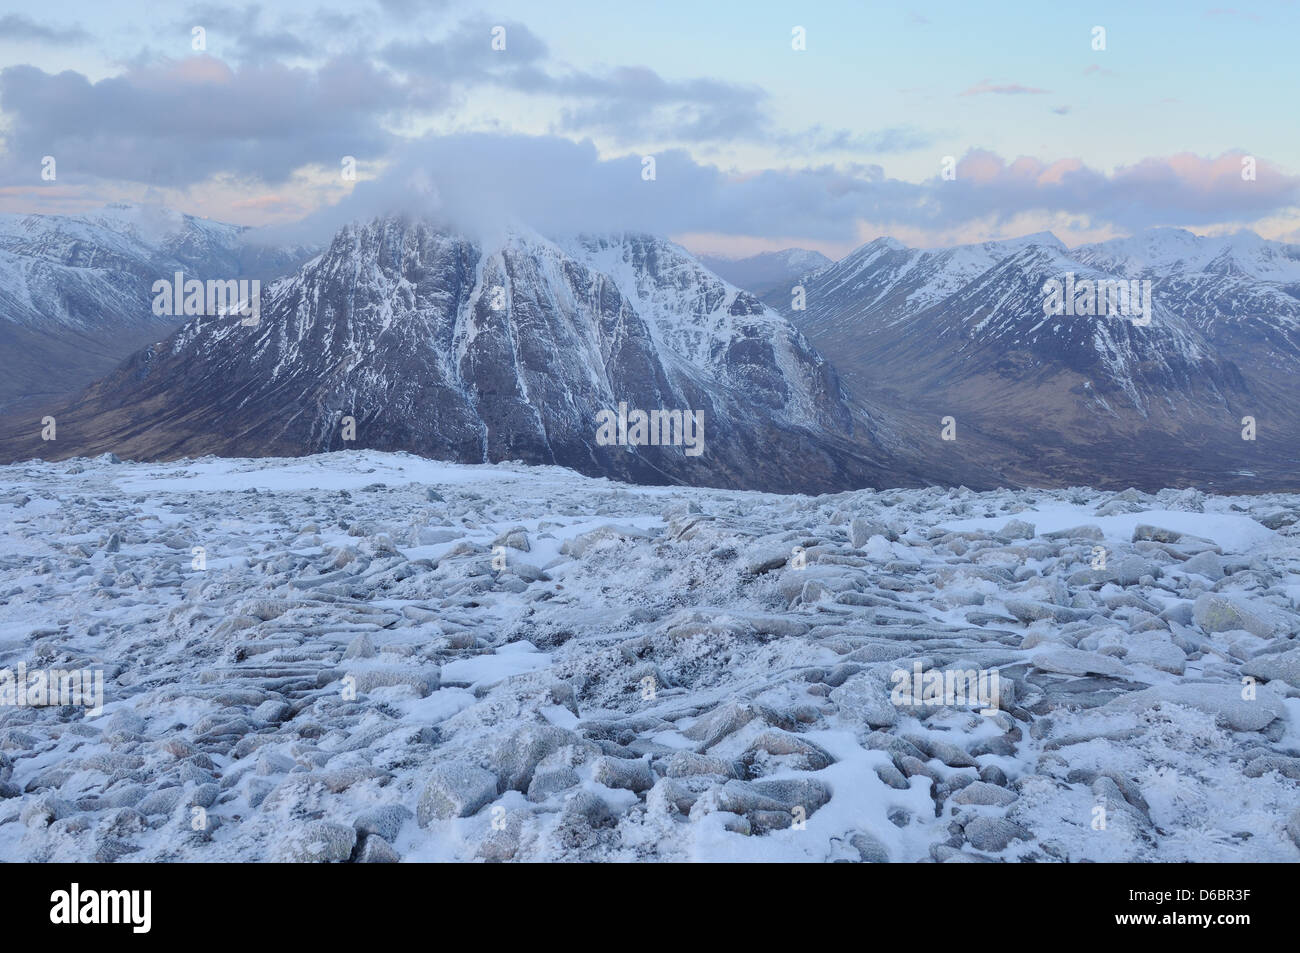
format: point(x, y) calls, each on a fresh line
point(1159, 252)
point(75, 290)
point(450, 348)
point(886, 281)
point(762, 273)
point(1075, 398)
point(515, 348)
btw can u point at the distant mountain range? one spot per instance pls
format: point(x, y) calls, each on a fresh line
point(759, 274)
point(1078, 398)
point(75, 290)
point(404, 335)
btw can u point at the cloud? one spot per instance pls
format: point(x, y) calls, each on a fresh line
point(180, 122)
point(175, 123)
point(242, 35)
point(467, 53)
point(17, 27)
point(1008, 89)
point(482, 183)
point(266, 139)
point(630, 102)
point(893, 139)
point(1183, 189)
point(411, 8)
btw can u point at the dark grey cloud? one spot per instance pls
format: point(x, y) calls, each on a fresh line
point(166, 122)
point(14, 26)
point(180, 122)
point(177, 123)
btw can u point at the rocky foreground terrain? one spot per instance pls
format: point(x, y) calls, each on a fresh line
point(345, 671)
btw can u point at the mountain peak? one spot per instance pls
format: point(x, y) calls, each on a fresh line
point(1040, 239)
point(506, 348)
point(766, 271)
point(876, 245)
point(1166, 252)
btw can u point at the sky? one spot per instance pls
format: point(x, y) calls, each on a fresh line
point(770, 124)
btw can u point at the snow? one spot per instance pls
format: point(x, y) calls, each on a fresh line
point(1174, 251)
point(1233, 533)
point(336, 471)
point(508, 661)
point(688, 311)
point(542, 668)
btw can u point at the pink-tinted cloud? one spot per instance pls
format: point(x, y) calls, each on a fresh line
point(1180, 189)
point(1006, 89)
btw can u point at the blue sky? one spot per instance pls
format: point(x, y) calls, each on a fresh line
point(758, 145)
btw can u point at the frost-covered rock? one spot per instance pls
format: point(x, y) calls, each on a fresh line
point(1219, 612)
point(1224, 702)
point(455, 789)
point(316, 842)
point(979, 792)
point(994, 834)
point(634, 775)
point(1282, 667)
point(644, 695)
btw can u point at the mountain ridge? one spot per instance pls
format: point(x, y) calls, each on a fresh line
point(75, 290)
point(395, 326)
point(964, 331)
point(394, 316)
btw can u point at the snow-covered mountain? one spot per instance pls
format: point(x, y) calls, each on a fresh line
point(1077, 397)
point(764, 272)
point(1240, 294)
point(510, 348)
point(1160, 252)
point(456, 349)
point(889, 281)
point(75, 289)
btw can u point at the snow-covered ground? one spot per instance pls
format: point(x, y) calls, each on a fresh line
point(345, 670)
